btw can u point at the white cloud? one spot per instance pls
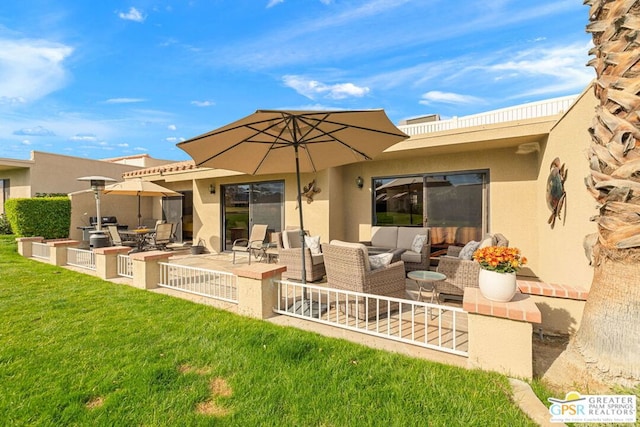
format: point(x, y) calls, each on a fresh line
point(274, 3)
point(86, 137)
point(435, 96)
point(172, 127)
point(140, 149)
point(31, 69)
point(124, 100)
point(313, 88)
point(203, 103)
point(171, 139)
point(35, 131)
point(132, 15)
point(26, 142)
point(123, 145)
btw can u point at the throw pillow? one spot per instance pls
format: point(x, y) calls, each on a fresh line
point(488, 240)
point(313, 243)
point(380, 260)
point(418, 242)
point(469, 249)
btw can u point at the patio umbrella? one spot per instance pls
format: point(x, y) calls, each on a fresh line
point(140, 188)
point(280, 141)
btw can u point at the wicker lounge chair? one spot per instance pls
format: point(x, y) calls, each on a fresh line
point(347, 266)
point(461, 273)
point(291, 257)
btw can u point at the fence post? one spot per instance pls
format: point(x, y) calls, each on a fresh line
point(146, 271)
point(107, 260)
point(500, 333)
point(24, 245)
point(257, 292)
point(58, 250)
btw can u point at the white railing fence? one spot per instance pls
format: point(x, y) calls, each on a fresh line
point(125, 266)
point(209, 283)
point(40, 250)
point(433, 326)
point(82, 258)
point(549, 107)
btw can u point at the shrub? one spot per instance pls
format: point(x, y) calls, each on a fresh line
point(49, 217)
point(5, 227)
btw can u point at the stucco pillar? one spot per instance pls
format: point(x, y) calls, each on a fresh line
point(146, 271)
point(257, 294)
point(24, 245)
point(58, 250)
point(107, 260)
point(500, 334)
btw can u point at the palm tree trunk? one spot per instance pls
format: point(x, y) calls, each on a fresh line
point(609, 336)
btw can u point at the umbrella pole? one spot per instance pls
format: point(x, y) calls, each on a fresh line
point(304, 270)
point(139, 214)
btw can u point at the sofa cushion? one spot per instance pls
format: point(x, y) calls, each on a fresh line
point(386, 237)
point(487, 240)
point(411, 256)
point(406, 236)
point(501, 240)
point(291, 239)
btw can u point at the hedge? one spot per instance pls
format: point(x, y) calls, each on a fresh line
point(49, 217)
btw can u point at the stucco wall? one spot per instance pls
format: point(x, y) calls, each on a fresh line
point(511, 190)
point(207, 207)
point(561, 254)
point(54, 173)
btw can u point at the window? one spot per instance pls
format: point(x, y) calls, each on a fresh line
point(453, 204)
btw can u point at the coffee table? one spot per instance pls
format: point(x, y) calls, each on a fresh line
point(426, 281)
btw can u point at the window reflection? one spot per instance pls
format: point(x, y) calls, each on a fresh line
point(452, 204)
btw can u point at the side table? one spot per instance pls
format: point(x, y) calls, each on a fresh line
point(426, 281)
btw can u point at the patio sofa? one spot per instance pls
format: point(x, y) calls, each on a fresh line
point(348, 268)
point(409, 244)
point(289, 254)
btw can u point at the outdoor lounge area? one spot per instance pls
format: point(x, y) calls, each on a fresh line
point(388, 243)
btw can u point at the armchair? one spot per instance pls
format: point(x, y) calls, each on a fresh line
point(291, 257)
point(463, 273)
point(348, 268)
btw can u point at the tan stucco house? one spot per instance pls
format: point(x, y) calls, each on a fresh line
point(463, 177)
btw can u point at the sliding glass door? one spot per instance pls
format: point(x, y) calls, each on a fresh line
point(248, 204)
point(454, 204)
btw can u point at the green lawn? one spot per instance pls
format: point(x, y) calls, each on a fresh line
point(77, 350)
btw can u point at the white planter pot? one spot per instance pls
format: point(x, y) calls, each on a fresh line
point(500, 287)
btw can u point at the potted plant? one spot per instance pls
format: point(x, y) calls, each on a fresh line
point(198, 248)
point(499, 264)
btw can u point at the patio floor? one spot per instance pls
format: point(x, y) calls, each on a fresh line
point(224, 262)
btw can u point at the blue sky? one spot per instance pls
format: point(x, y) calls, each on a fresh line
point(105, 79)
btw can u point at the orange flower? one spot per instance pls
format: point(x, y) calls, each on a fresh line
point(499, 258)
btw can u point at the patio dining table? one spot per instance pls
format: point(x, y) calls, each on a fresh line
point(139, 235)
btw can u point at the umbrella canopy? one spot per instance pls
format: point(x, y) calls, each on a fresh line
point(275, 141)
point(138, 187)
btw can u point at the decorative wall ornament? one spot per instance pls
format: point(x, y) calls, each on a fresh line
point(309, 191)
point(556, 194)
